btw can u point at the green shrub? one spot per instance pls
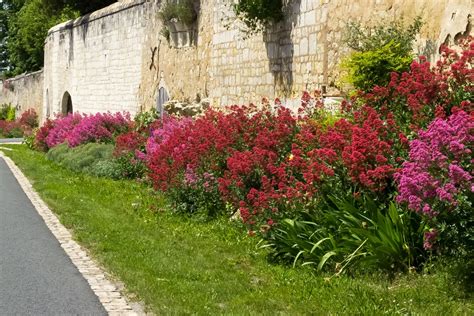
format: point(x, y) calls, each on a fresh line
point(365, 70)
point(256, 14)
point(379, 51)
point(183, 11)
point(7, 112)
point(106, 168)
point(145, 119)
point(93, 158)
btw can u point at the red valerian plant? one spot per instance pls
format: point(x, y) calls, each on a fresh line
point(41, 135)
point(269, 163)
point(99, 127)
point(438, 180)
point(77, 129)
point(61, 129)
point(418, 96)
point(283, 169)
point(29, 119)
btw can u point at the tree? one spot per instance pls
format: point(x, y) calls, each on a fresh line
point(3, 41)
point(25, 27)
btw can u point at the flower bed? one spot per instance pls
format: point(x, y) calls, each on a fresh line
point(333, 178)
point(21, 127)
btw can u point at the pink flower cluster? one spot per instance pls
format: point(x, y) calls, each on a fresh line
point(100, 127)
point(77, 129)
point(440, 165)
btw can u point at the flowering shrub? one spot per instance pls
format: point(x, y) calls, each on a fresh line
point(21, 127)
point(263, 176)
point(304, 162)
point(100, 127)
point(438, 181)
point(10, 129)
point(186, 156)
point(77, 129)
point(128, 152)
point(418, 96)
point(60, 129)
point(29, 119)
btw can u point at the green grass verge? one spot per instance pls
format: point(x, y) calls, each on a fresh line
point(182, 265)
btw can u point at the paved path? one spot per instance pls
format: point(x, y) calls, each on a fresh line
point(36, 276)
point(11, 140)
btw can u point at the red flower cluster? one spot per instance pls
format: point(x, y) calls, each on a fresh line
point(29, 119)
point(267, 163)
point(22, 126)
point(425, 92)
point(42, 134)
point(129, 143)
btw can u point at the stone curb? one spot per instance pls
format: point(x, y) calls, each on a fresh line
point(108, 293)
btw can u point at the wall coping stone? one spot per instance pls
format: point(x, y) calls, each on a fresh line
point(97, 15)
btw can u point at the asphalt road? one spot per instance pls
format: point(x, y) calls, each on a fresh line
point(36, 276)
point(10, 140)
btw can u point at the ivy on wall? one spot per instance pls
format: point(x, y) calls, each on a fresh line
point(258, 14)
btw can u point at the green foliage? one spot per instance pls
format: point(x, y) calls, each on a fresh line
point(368, 69)
point(28, 29)
point(7, 112)
point(350, 234)
point(3, 40)
point(145, 119)
point(93, 158)
point(256, 14)
point(129, 167)
point(456, 228)
point(379, 50)
point(199, 199)
point(182, 11)
point(24, 25)
point(363, 38)
point(132, 235)
point(29, 140)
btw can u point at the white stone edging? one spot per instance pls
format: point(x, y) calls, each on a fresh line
point(107, 292)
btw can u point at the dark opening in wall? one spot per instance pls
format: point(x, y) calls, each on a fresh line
point(66, 104)
point(163, 97)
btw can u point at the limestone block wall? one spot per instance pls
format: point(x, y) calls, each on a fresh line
point(24, 92)
point(304, 51)
point(97, 60)
point(115, 59)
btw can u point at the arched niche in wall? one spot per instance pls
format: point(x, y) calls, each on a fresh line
point(66, 104)
point(162, 96)
point(48, 107)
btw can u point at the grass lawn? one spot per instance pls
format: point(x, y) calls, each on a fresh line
point(183, 265)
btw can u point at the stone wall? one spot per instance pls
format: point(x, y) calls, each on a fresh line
point(96, 60)
point(115, 59)
point(24, 92)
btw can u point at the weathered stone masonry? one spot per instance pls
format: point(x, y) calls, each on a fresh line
point(115, 59)
point(24, 92)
